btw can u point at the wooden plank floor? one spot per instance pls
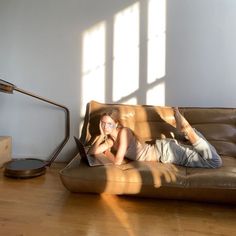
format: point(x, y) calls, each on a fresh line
point(42, 206)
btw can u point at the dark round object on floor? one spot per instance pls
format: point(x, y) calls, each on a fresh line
point(25, 168)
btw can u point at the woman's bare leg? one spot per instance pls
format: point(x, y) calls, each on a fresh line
point(183, 126)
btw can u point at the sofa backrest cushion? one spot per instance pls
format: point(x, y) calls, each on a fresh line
point(218, 125)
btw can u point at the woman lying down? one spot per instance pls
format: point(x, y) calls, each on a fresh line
point(118, 142)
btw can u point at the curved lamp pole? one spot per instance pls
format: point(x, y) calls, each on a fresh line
point(31, 167)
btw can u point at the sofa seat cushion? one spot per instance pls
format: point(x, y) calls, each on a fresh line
point(133, 177)
point(128, 178)
point(220, 178)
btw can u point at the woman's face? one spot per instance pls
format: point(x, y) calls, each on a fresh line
point(108, 124)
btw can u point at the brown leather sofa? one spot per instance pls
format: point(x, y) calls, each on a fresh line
point(153, 179)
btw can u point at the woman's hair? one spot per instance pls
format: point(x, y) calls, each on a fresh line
point(113, 113)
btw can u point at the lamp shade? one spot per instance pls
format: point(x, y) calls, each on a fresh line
point(6, 87)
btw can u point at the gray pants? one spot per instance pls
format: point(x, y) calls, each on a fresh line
point(200, 154)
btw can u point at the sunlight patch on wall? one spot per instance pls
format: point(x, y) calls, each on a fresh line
point(156, 49)
point(93, 65)
point(132, 100)
point(156, 95)
point(126, 53)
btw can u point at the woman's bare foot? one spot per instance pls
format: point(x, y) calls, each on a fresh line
point(181, 122)
point(183, 126)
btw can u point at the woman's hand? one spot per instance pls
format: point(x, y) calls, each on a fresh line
point(101, 129)
point(102, 142)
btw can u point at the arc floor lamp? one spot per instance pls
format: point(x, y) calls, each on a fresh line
point(32, 167)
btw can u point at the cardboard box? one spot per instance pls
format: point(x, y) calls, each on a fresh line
point(5, 149)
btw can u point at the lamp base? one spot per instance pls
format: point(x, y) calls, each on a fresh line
point(25, 168)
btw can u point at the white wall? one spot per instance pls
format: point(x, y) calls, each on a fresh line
point(41, 51)
point(201, 53)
